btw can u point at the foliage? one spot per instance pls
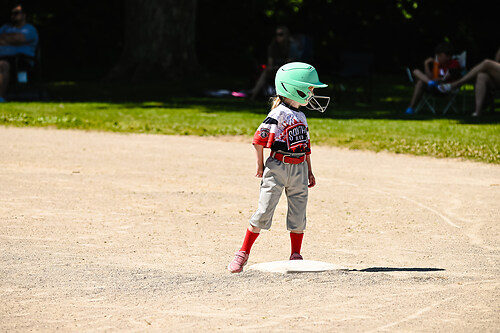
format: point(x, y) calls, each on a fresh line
point(83, 40)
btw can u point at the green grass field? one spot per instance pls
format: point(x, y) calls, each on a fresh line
point(379, 126)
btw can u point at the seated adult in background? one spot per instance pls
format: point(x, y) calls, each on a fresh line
point(282, 49)
point(487, 75)
point(16, 37)
point(441, 68)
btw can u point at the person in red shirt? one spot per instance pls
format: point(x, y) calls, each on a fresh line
point(442, 68)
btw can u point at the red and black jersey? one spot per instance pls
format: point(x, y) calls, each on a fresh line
point(285, 129)
point(450, 71)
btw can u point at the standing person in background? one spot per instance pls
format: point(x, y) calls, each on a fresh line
point(281, 50)
point(487, 75)
point(441, 68)
point(16, 37)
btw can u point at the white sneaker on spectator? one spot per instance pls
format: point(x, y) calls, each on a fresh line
point(444, 88)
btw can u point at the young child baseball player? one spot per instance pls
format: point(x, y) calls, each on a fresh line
point(288, 167)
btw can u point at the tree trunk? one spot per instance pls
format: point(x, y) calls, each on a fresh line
point(159, 40)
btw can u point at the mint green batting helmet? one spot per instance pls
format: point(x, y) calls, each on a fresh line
point(293, 81)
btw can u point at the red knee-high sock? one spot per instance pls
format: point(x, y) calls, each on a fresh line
point(296, 240)
point(250, 238)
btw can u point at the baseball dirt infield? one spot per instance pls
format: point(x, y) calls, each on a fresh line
point(112, 232)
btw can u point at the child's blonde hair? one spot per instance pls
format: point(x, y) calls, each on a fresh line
point(275, 101)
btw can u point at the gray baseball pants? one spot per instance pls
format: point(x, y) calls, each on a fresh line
point(294, 180)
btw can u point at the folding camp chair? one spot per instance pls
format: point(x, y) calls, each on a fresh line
point(452, 99)
point(26, 76)
point(455, 95)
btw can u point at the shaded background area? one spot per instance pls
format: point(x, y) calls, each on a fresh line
point(83, 40)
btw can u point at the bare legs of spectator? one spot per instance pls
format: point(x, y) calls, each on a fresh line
point(421, 76)
point(261, 82)
point(483, 83)
point(422, 81)
point(4, 78)
point(487, 75)
point(489, 67)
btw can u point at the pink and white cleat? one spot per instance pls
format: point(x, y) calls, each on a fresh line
point(240, 260)
point(296, 256)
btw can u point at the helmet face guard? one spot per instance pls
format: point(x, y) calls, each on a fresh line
point(318, 103)
point(293, 81)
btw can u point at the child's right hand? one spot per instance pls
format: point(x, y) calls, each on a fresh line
point(260, 170)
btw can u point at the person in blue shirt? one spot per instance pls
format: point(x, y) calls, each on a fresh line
point(16, 37)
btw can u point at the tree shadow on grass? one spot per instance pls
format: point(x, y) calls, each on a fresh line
point(388, 103)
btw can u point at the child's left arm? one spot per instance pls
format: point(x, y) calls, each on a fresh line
point(310, 175)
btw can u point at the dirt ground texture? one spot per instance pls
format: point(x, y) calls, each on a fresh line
point(129, 232)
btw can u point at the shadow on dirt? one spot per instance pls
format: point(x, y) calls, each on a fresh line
point(397, 269)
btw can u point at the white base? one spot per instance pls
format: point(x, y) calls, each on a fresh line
point(295, 266)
